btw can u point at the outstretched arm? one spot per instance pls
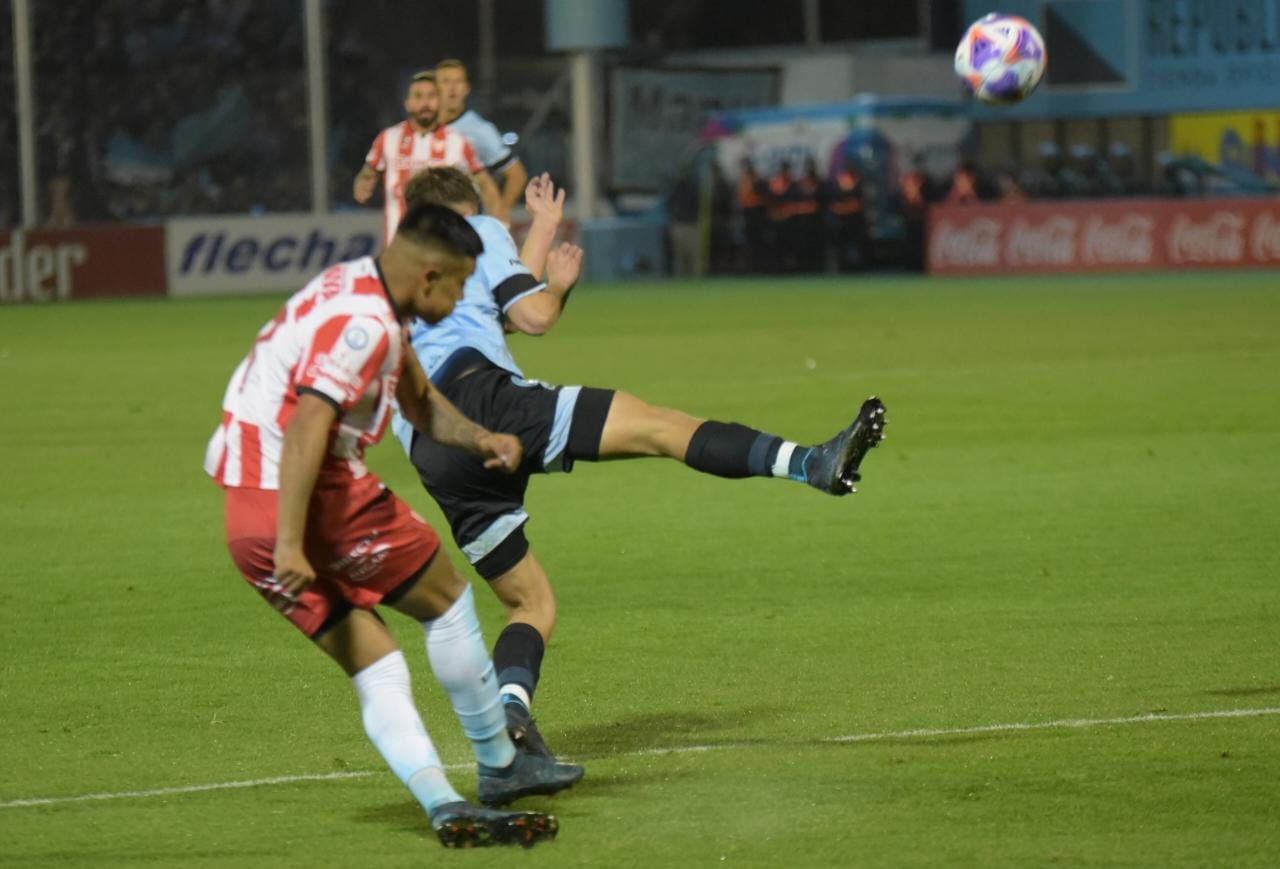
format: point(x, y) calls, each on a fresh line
point(536, 313)
point(428, 411)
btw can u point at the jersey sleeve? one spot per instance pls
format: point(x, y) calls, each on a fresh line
point(346, 355)
point(487, 141)
point(376, 157)
point(504, 273)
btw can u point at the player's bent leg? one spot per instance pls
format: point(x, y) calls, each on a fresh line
point(356, 641)
point(530, 602)
point(526, 595)
point(431, 592)
point(361, 644)
point(455, 647)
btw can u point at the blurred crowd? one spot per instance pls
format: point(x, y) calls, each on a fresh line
point(129, 125)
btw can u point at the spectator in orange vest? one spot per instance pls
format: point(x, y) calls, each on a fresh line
point(807, 215)
point(752, 190)
point(779, 208)
point(848, 216)
point(964, 185)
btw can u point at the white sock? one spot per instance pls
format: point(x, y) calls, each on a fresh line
point(782, 464)
point(512, 691)
point(394, 727)
point(464, 669)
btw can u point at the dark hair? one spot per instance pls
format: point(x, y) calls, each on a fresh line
point(424, 75)
point(429, 224)
point(441, 185)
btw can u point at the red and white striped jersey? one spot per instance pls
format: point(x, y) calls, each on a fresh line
point(400, 151)
point(339, 338)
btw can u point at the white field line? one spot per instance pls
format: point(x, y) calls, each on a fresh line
point(921, 733)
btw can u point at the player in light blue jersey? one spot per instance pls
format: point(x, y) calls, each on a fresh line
point(488, 143)
point(468, 361)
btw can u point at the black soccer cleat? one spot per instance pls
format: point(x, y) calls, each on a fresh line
point(524, 733)
point(528, 775)
point(462, 825)
point(833, 466)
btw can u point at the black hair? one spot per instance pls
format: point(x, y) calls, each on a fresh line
point(435, 224)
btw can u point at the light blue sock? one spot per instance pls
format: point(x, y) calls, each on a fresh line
point(394, 727)
point(462, 665)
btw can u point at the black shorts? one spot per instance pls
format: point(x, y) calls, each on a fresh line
point(485, 509)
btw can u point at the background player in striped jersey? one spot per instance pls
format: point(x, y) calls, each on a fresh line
point(467, 358)
point(323, 541)
point(497, 156)
point(418, 142)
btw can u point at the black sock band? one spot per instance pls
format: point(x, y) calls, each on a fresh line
point(517, 656)
point(727, 449)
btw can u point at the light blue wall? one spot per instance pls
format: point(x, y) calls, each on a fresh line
point(1172, 55)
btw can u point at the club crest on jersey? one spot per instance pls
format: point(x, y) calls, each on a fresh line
point(356, 338)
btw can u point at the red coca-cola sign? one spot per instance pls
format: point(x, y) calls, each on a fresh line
point(47, 265)
point(1104, 235)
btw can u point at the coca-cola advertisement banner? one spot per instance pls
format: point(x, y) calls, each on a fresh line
point(48, 265)
point(1104, 236)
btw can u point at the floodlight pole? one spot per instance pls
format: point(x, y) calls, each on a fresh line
point(317, 109)
point(24, 87)
point(812, 24)
point(582, 98)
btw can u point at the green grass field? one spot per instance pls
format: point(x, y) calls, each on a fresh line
point(1075, 518)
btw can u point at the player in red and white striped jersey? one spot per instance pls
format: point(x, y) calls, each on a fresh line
point(416, 143)
point(323, 541)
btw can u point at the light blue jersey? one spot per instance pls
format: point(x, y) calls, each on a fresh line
point(499, 281)
point(485, 140)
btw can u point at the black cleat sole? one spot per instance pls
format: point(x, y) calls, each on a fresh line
point(868, 431)
point(525, 829)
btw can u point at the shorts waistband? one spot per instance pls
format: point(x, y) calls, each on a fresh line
point(460, 362)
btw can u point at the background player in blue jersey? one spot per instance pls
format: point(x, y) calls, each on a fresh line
point(496, 154)
point(467, 359)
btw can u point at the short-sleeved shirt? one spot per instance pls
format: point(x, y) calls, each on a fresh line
point(400, 152)
point(337, 338)
point(487, 141)
point(498, 282)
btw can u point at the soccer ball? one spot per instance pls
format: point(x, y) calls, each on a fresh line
point(1001, 59)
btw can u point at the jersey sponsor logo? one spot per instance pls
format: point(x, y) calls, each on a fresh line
point(364, 560)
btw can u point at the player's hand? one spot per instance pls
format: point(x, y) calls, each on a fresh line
point(501, 452)
point(564, 265)
point(293, 571)
point(364, 187)
point(543, 200)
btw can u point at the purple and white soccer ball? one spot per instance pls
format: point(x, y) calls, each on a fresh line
point(1001, 58)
